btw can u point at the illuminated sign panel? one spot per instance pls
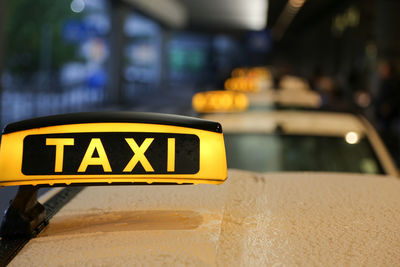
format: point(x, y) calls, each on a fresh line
point(248, 79)
point(110, 153)
point(242, 84)
point(187, 150)
point(219, 101)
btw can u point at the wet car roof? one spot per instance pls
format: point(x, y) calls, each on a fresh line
point(251, 219)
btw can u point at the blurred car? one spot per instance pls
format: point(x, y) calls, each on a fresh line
point(292, 93)
point(253, 219)
point(303, 141)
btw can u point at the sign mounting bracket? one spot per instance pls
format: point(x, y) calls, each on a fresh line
point(25, 217)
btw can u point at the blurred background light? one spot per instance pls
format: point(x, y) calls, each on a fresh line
point(77, 6)
point(352, 138)
point(286, 17)
point(296, 3)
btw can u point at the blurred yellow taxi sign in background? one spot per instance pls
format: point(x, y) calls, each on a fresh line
point(219, 101)
point(243, 84)
point(256, 72)
point(117, 147)
point(249, 79)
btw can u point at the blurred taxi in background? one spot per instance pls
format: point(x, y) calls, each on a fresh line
point(298, 140)
point(254, 79)
point(292, 92)
point(284, 98)
point(303, 141)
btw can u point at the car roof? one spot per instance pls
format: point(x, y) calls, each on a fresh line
point(251, 219)
point(291, 122)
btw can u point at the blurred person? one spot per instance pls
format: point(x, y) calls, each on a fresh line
point(315, 77)
point(387, 106)
point(279, 72)
point(359, 93)
point(362, 100)
point(388, 96)
point(331, 95)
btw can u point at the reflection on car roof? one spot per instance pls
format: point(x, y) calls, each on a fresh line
point(252, 219)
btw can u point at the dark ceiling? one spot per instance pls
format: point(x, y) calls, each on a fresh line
point(311, 13)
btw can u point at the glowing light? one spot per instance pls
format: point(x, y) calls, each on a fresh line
point(239, 72)
point(285, 18)
point(350, 18)
point(211, 158)
point(352, 138)
point(77, 6)
point(296, 3)
point(242, 84)
point(241, 102)
point(219, 101)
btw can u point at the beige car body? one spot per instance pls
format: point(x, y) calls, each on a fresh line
point(276, 219)
point(289, 97)
point(306, 123)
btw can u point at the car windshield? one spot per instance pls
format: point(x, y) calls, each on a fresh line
point(268, 153)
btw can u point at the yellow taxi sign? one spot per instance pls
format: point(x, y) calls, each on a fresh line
point(248, 79)
point(117, 147)
point(219, 101)
point(239, 72)
point(243, 84)
point(257, 72)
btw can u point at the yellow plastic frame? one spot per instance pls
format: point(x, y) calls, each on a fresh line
point(212, 167)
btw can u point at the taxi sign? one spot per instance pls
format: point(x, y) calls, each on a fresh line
point(117, 147)
point(243, 84)
point(257, 72)
point(249, 80)
point(219, 101)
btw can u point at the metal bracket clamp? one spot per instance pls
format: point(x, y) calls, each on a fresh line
point(25, 217)
point(9, 247)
